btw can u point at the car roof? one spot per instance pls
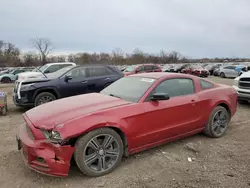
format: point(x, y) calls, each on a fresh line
point(60, 63)
point(158, 75)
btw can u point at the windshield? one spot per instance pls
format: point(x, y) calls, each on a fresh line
point(129, 88)
point(130, 68)
point(11, 72)
point(59, 73)
point(43, 68)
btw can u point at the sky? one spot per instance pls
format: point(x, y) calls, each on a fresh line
point(195, 28)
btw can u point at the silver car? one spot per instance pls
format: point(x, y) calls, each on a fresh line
point(228, 71)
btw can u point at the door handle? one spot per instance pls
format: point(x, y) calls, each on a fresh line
point(84, 82)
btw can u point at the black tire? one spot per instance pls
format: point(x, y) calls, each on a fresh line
point(42, 96)
point(209, 128)
point(222, 75)
point(82, 146)
point(6, 80)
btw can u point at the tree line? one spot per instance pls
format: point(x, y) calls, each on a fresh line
point(11, 56)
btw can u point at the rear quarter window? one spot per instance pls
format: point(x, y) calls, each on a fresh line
point(206, 85)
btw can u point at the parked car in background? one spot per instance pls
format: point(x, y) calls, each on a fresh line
point(167, 68)
point(179, 67)
point(12, 75)
point(196, 70)
point(242, 86)
point(244, 69)
point(98, 129)
point(216, 72)
point(230, 71)
point(213, 67)
point(43, 70)
point(135, 69)
point(69, 81)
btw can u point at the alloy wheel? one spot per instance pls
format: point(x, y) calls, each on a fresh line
point(101, 153)
point(219, 122)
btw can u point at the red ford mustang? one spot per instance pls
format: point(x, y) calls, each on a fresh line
point(135, 113)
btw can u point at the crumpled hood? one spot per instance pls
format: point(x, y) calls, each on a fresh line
point(49, 115)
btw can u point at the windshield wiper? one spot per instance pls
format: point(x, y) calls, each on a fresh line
point(112, 95)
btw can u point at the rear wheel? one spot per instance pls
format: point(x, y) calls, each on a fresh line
point(98, 152)
point(6, 80)
point(222, 75)
point(44, 97)
point(218, 122)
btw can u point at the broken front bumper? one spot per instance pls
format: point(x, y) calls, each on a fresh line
point(43, 156)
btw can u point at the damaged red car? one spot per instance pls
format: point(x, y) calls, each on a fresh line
point(133, 114)
point(196, 70)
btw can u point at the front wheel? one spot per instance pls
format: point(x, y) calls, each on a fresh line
point(222, 75)
point(218, 122)
point(44, 97)
point(6, 80)
point(98, 152)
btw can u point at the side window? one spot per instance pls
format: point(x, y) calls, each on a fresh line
point(229, 67)
point(148, 68)
point(17, 72)
point(97, 71)
point(65, 65)
point(206, 85)
point(110, 71)
point(176, 87)
point(140, 69)
point(52, 68)
point(155, 67)
point(77, 73)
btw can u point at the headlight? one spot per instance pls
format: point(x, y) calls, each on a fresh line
point(51, 135)
point(26, 86)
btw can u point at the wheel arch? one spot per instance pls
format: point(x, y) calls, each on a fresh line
point(121, 133)
point(225, 105)
point(49, 89)
point(6, 77)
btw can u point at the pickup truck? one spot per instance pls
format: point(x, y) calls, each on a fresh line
point(242, 86)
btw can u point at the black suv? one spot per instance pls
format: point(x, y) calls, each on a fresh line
point(66, 82)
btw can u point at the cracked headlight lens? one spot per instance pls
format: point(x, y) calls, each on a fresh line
point(51, 135)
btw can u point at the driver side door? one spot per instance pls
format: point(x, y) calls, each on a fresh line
point(171, 118)
point(76, 85)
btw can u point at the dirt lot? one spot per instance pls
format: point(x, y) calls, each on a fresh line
point(223, 162)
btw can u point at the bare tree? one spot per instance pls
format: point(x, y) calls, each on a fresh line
point(44, 46)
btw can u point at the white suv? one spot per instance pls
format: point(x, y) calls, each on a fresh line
point(45, 69)
point(242, 86)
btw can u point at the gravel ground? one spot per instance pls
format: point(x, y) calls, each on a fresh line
point(223, 162)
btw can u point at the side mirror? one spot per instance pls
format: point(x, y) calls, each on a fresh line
point(159, 97)
point(67, 78)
